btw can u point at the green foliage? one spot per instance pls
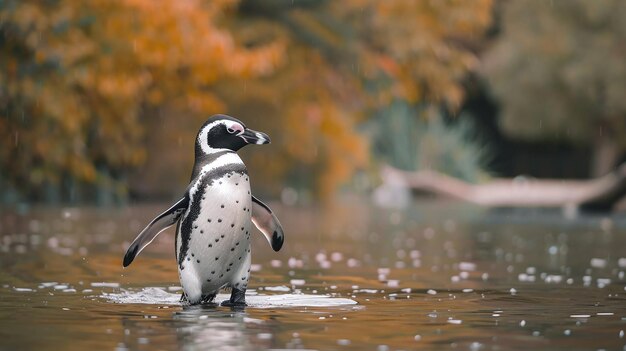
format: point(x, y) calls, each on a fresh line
point(417, 139)
point(558, 71)
point(454, 149)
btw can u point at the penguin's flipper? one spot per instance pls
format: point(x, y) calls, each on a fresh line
point(160, 223)
point(264, 219)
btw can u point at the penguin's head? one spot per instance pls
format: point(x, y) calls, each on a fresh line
point(222, 132)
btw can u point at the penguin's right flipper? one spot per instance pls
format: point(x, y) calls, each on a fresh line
point(160, 223)
point(265, 220)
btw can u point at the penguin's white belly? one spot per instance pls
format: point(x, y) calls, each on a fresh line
point(218, 250)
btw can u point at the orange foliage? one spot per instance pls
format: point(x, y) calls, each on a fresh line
point(93, 84)
point(418, 44)
point(81, 73)
point(312, 112)
point(345, 60)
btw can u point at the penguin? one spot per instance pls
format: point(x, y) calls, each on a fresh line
point(214, 217)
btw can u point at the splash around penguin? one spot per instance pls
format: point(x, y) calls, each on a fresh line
point(215, 216)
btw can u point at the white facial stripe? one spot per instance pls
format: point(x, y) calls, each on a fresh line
point(202, 137)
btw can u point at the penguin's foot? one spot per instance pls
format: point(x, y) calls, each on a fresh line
point(237, 298)
point(228, 303)
point(206, 299)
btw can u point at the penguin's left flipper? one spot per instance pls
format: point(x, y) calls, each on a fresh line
point(160, 223)
point(265, 220)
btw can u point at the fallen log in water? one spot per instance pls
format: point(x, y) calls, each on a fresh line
point(598, 194)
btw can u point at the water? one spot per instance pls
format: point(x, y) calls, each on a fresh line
point(435, 276)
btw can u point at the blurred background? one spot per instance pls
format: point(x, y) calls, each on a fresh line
point(100, 101)
point(372, 106)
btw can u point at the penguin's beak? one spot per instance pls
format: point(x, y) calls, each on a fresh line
point(253, 137)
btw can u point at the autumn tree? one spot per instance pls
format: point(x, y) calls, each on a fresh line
point(351, 61)
point(94, 89)
point(557, 71)
point(77, 76)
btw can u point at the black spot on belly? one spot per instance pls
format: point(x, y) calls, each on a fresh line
point(222, 206)
point(198, 261)
point(227, 269)
point(208, 280)
point(232, 225)
point(222, 235)
point(219, 220)
point(217, 258)
point(210, 245)
point(212, 272)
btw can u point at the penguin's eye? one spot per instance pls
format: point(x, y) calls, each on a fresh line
point(234, 128)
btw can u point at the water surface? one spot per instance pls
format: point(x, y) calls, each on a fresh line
point(435, 276)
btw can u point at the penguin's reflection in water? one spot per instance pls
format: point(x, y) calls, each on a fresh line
point(197, 327)
point(210, 328)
